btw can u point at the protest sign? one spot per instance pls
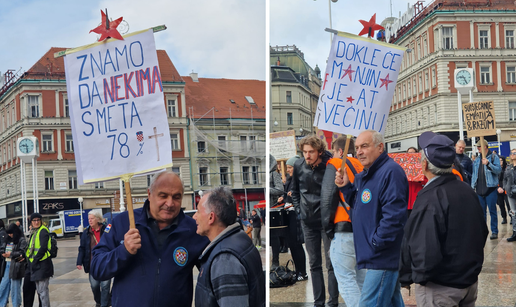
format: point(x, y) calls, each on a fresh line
point(358, 85)
point(283, 144)
point(117, 110)
point(410, 162)
point(479, 118)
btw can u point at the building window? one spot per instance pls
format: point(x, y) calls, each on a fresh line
point(415, 86)
point(245, 174)
point(511, 74)
point(33, 106)
point(289, 97)
point(447, 38)
point(8, 151)
point(69, 143)
point(512, 110)
point(404, 91)
point(66, 108)
point(46, 142)
point(252, 142)
point(203, 176)
point(224, 176)
point(426, 80)
point(201, 146)
point(509, 39)
point(222, 142)
point(485, 76)
point(255, 179)
point(420, 83)
point(177, 170)
point(72, 180)
point(49, 180)
point(290, 120)
point(409, 90)
point(13, 114)
point(99, 185)
point(434, 83)
point(174, 141)
point(243, 143)
point(171, 108)
point(14, 149)
point(484, 39)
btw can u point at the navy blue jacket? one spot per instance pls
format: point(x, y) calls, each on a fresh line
point(151, 277)
point(379, 198)
point(84, 256)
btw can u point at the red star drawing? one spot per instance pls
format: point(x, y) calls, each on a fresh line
point(385, 82)
point(350, 99)
point(370, 27)
point(108, 28)
point(348, 71)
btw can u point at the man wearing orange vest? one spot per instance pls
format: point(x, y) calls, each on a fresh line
point(336, 221)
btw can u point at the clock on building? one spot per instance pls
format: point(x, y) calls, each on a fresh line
point(27, 148)
point(464, 79)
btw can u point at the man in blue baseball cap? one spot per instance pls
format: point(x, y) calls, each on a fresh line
point(443, 247)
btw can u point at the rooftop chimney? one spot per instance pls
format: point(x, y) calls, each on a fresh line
point(194, 77)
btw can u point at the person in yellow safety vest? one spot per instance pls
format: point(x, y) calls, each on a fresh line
point(336, 220)
point(38, 258)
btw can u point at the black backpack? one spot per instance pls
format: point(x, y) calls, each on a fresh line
point(53, 247)
point(282, 276)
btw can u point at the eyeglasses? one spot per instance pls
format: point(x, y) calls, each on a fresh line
point(513, 153)
point(36, 220)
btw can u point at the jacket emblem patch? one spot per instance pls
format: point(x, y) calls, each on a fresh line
point(180, 256)
point(366, 196)
point(108, 228)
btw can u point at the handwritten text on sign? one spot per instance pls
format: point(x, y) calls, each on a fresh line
point(283, 144)
point(117, 113)
point(479, 118)
point(358, 85)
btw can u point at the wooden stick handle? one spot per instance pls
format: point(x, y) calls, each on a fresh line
point(482, 148)
point(129, 203)
point(345, 154)
point(283, 175)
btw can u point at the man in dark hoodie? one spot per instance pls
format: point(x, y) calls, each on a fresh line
point(306, 197)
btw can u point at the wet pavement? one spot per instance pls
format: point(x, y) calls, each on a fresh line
point(71, 287)
point(497, 281)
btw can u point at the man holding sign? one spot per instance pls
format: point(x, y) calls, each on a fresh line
point(485, 181)
point(147, 262)
point(379, 198)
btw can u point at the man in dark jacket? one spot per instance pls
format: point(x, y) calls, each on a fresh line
point(306, 196)
point(231, 271)
point(89, 239)
point(465, 161)
point(158, 254)
point(379, 198)
point(443, 248)
point(38, 258)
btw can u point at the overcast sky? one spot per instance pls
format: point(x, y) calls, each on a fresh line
point(302, 22)
point(215, 38)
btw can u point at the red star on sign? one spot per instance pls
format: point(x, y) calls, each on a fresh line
point(108, 28)
point(370, 27)
point(350, 99)
point(386, 82)
point(348, 71)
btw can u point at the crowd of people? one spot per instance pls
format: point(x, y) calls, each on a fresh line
point(381, 232)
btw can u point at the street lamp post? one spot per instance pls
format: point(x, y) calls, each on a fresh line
point(498, 132)
point(81, 227)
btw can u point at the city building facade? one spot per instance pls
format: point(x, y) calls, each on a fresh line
point(444, 36)
point(227, 135)
point(295, 88)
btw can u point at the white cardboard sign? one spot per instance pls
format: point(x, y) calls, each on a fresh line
point(358, 85)
point(117, 111)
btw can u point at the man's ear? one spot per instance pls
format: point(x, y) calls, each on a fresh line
point(212, 217)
